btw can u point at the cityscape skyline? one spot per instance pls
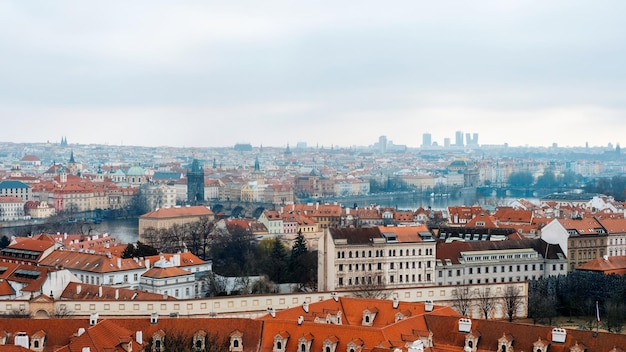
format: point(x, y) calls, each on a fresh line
point(214, 74)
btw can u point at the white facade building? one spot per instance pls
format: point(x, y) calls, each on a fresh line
point(390, 257)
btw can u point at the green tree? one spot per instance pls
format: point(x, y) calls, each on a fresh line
point(235, 253)
point(547, 180)
point(299, 248)
point(521, 179)
point(136, 250)
point(277, 262)
point(4, 242)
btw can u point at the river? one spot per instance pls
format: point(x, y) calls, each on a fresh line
point(126, 230)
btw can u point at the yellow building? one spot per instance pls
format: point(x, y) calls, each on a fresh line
point(165, 218)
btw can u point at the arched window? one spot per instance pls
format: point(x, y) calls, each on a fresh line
point(36, 344)
point(328, 349)
point(367, 318)
point(279, 345)
point(236, 343)
point(302, 348)
point(198, 344)
point(470, 343)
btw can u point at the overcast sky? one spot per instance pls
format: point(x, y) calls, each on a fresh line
point(215, 73)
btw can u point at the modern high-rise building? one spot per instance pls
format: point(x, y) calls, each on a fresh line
point(471, 139)
point(459, 139)
point(427, 140)
point(382, 144)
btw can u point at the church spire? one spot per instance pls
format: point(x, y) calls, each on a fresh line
point(72, 161)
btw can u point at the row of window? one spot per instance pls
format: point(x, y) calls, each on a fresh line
point(379, 266)
point(415, 278)
point(381, 253)
point(495, 280)
point(501, 257)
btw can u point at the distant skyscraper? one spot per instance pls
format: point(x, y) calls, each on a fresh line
point(195, 183)
point(427, 140)
point(471, 139)
point(446, 142)
point(382, 144)
point(459, 139)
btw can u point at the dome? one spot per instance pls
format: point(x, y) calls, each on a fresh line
point(136, 171)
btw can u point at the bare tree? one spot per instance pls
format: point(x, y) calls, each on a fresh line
point(485, 302)
point(371, 287)
point(216, 284)
point(62, 311)
point(462, 299)
point(512, 300)
point(151, 237)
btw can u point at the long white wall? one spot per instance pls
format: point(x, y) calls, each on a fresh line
point(256, 305)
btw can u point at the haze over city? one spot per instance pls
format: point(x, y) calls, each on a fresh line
point(276, 73)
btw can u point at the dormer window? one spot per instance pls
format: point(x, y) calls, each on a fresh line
point(471, 341)
point(369, 314)
point(330, 344)
point(236, 341)
point(540, 345)
point(158, 340)
point(505, 343)
point(280, 341)
point(199, 339)
point(305, 342)
point(355, 345)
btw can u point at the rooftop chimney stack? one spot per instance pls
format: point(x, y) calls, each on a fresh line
point(395, 303)
point(154, 318)
point(559, 335)
point(139, 337)
point(465, 325)
point(305, 306)
point(429, 306)
point(271, 311)
point(300, 320)
point(93, 319)
point(334, 296)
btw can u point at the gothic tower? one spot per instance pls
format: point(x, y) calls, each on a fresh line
point(195, 183)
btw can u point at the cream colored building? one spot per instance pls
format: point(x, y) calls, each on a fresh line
point(389, 257)
point(164, 218)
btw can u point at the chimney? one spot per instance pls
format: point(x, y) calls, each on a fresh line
point(429, 306)
point(80, 331)
point(559, 335)
point(85, 349)
point(93, 319)
point(395, 303)
point(154, 318)
point(305, 306)
point(176, 259)
point(100, 291)
point(139, 337)
point(334, 296)
point(78, 289)
point(147, 263)
point(465, 325)
point(117, 294)
point(64, 235)
point(300, 320)
point(271, 311)
point(119, 263)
